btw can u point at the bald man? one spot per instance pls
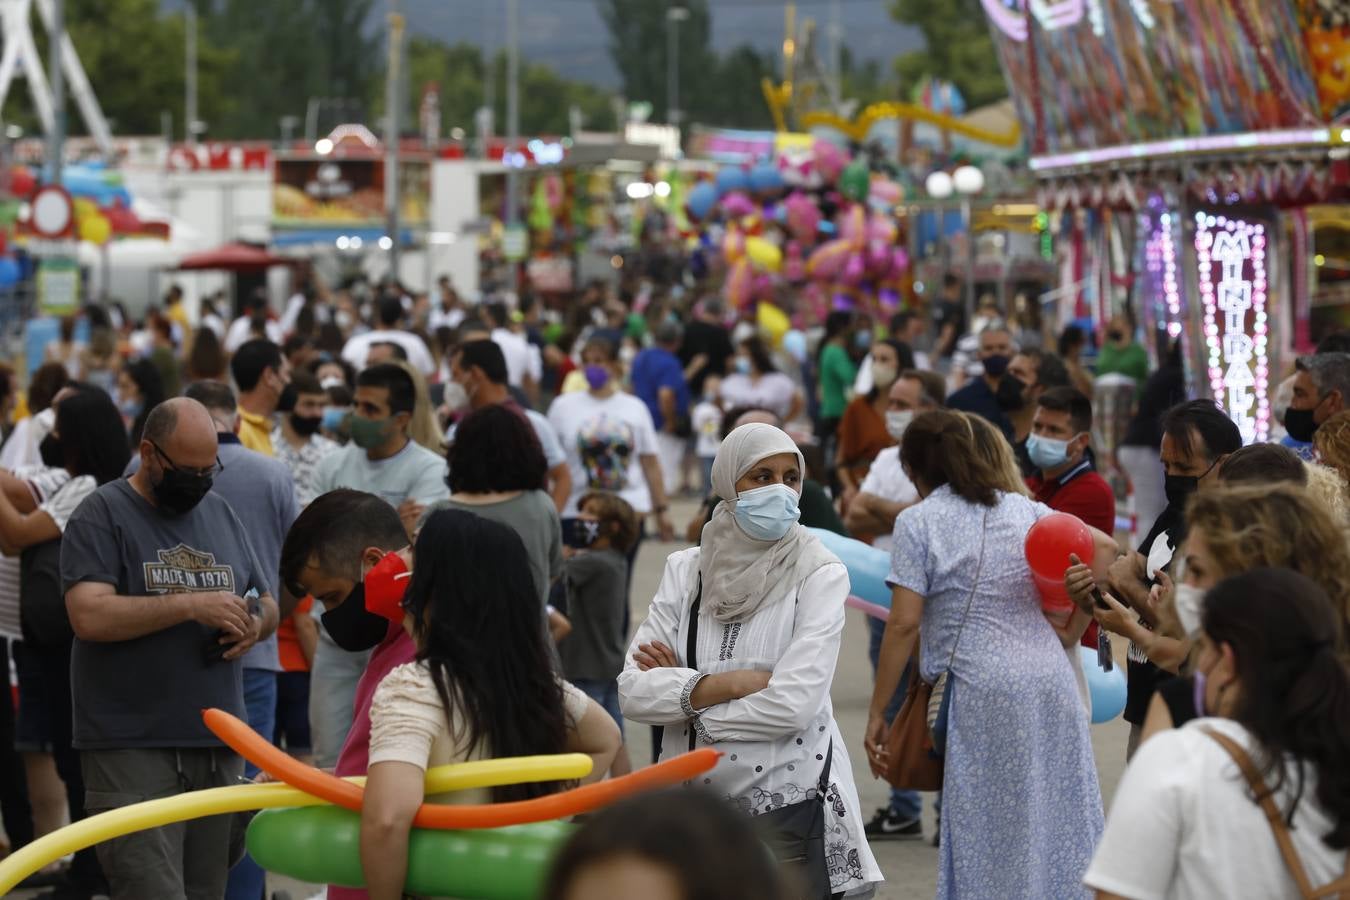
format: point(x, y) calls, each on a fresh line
point(165, 596)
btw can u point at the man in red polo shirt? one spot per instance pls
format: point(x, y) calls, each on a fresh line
point(1065, 480)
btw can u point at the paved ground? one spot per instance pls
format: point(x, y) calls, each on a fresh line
point(909, 866)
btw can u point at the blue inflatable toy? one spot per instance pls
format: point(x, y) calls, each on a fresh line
point(867, 566)
point(701, 199)
point(1107, 689)
point(732, 178)
point(765, 178)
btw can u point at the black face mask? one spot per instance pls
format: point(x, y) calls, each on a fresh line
point(52, 453)
point(1178, 488)
point(306, 426)
point(178, 492)
point(582, 533)
point(1010, 394)
point(1299, 423)
point(353, 627)
point(1115, 336)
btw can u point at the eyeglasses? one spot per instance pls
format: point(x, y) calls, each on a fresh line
point(208, 472)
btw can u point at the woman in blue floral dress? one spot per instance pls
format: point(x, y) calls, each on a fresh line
point(1021, 808)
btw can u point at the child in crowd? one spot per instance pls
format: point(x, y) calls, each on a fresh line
point(706, 420)
point(596, 575)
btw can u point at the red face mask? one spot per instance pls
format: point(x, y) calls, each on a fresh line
point(385, 585)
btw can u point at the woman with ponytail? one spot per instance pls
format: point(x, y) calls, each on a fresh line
point(1253, 802)
point(1021, 808)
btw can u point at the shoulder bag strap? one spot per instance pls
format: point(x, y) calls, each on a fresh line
point(691, 645)
point(1269, 807)
point(974, 587)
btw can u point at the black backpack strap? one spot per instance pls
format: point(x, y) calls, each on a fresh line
point(691, 644)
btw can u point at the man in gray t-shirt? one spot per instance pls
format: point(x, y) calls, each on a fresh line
point(155, 570)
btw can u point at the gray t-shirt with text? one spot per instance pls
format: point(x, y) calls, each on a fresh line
point(150, 691)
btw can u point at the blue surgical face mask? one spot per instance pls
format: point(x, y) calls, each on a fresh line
point(332, 418)
point(742, 365)
point(1047, 453)
point(767, 513)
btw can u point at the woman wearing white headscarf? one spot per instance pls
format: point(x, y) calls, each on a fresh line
point(770, 619)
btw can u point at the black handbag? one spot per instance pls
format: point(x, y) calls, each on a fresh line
point(42, 604)
point(795, 833)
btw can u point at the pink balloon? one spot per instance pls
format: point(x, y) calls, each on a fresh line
point(739, 284)
point(878, 259)
point(853, 226)
point(828, 260)
point(885, 193)
point(854, 269)
point(899, 261)
point(737, 204)
point(803, 216)
point(830, 160)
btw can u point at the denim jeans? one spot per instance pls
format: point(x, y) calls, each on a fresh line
point(904, 805)
point(247, 879)
point(605, 693)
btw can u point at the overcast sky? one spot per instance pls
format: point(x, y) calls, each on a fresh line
point(569, 35)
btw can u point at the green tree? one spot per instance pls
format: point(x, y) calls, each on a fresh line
point(458, 70)
point(738, 99)
point(134, 86)
point(959, 48)
point(638, 32)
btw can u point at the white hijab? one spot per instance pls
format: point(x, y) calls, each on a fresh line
point(740, 572)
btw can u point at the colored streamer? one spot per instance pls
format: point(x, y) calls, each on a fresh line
point(245, 797)
point(272, 760)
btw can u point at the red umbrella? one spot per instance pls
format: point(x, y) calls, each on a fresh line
point(233, 258)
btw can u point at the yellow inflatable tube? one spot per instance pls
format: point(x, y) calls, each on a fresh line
point(247, 797)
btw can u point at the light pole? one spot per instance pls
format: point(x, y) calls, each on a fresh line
point(512, 107)
point(939, 186)
point(190, 76)
point(968, 181)
point(393, 105)
point(674, 16)
point(56, 76)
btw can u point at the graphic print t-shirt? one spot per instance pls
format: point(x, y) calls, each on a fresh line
point(604, 439)
point(150, 691)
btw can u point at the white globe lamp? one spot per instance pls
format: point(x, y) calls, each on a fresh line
point(968, 180)
point(939, 185)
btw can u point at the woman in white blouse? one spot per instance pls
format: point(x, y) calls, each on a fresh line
point(482, 686)
point(770, 618)
point(757, 382)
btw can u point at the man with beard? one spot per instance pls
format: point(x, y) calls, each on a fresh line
point(1036, 372)
point(156, 569)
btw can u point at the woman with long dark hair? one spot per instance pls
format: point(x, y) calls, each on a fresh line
point(88, 441)
point(482, 686)
point(139, 390)
point(1194, 814)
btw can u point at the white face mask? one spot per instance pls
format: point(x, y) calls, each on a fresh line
point(331, 381)
point(897, 421)
point(1190, 603)
point(456, 398)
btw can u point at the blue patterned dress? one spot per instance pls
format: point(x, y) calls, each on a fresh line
point(1021, 808)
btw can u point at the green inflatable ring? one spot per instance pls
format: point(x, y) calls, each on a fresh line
point(322, 845)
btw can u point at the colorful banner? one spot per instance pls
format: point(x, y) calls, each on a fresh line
point(1102, 73)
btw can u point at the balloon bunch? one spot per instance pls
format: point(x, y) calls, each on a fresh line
point(498, 851)
point(866, 249)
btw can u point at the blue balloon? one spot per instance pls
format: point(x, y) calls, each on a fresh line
point(10, 272)
point(794, 343)
point(701, 199)
point(868, 567)
point(732, 178)
point(765, 177)
point(1107, 689)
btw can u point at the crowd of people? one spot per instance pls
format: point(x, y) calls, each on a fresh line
point(392, 531)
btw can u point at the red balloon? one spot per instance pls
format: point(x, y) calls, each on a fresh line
point(1053, 593)
point(1052, 539)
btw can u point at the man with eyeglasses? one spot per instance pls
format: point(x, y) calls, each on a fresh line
point(166, 596)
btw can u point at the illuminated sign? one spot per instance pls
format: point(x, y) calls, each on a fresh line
point(1231, 265)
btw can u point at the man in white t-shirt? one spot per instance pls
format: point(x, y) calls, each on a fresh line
point(241, 329)
point(610, 440)
point(524, 365)
point(884, 494)
point(390, 315)
point(449, 310)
